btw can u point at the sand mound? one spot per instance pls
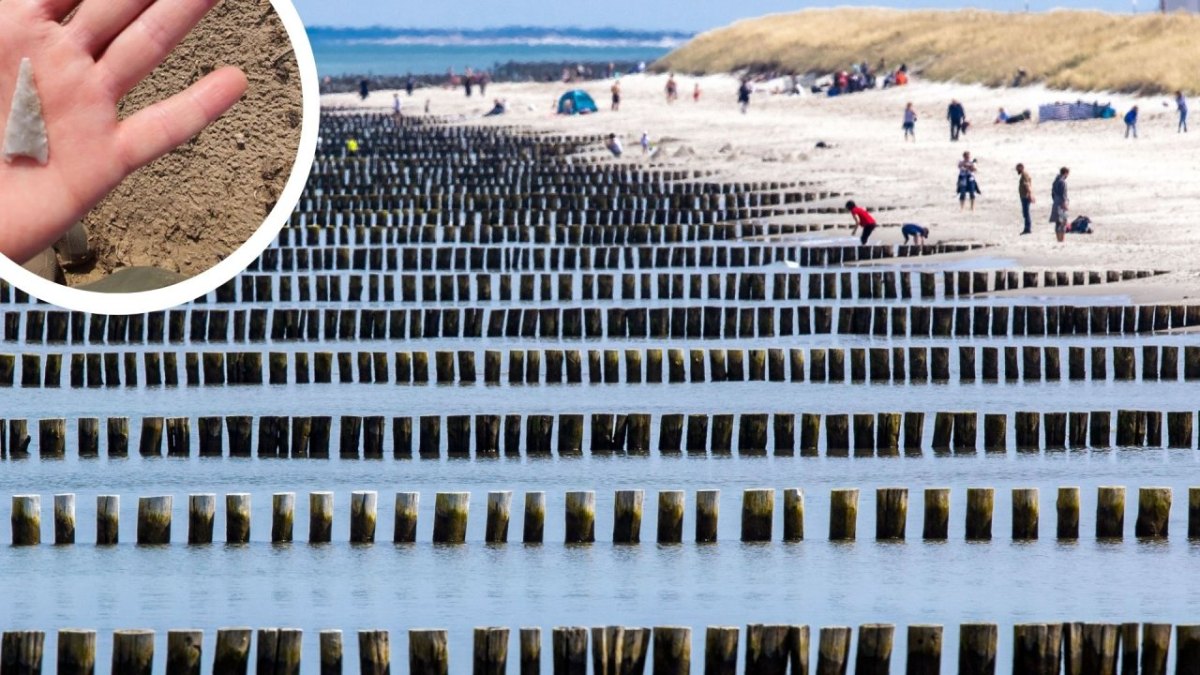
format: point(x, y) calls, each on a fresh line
point(192, 208)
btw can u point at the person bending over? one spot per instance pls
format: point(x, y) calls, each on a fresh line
point(862, 219)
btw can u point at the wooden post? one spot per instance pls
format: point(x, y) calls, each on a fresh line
point(450, 517)
point(708, 506)
point(428, 652)
point(1024, 513)
point(1156, 644)
point(531, 651)
point(671, 504)
point(1099, 649)
point(581, 517)
point(977, 648)
point(767, 648)
point(924, 650)
point(279, 651)
point(570, 650)
point(672, 650)
point(184, 651)
point(107, 519)
point(1068, 513)
point(937, 513)
point(535, 518)
point(362, 516)
point(237, 518)
point(133, 652)
point(720, 650)
point(891, 513)
point(627, 516)
point(1110, 512)
point(64, 519)
point(833, 650)
point(283, 516)
point(979, 513)
point(202, 510)
point(154, 520)
point(21, 652)
point(491, 651)
point(320, 517)
point(374, 652)
point(793, 514)
point(76, 652)
point(758, 514)
point(1037, 648)
point(1187, 650)
point(331, 652)
point(843, 514)
point(498, 506)
point(874, 655)
point(1154, 512)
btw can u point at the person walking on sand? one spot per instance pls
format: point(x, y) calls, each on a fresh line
point(1131, 118)
point(672, 88)
point(1182, 107)
point(910, 123)
point(1025, 192)
point(957, 116)
point(696, 93)
point(744, 95)
point(967, 185)
point(396, 105)
point(919, 234)
point(862, 219)
point(616, 95)
point(1061, 205)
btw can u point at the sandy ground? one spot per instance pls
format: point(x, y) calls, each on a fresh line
point(1139, 194)
point(189, 210)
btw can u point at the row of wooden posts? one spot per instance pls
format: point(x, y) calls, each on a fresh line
point(564, 258)
point(868, 434)
point(566, 286)
point(1073, 648)
point(590, 323)
point(855, 365)
point(451, 512)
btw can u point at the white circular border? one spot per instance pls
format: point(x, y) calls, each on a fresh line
point(210, 279)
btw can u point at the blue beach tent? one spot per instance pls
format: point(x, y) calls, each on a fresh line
point(580, 103)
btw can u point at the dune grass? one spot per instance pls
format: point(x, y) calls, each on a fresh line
point(1082, 50)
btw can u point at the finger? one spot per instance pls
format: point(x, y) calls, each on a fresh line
point(99, 21)
point(149, 39)
point(164, 126)
point(55, 10)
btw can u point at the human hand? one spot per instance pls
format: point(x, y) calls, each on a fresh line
point(81, 70)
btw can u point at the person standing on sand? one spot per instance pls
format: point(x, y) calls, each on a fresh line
point(364, 89)
point(1131, 122)
point(616, 96)
point(910, 123)
point(672, 88)
point(1025, 192)
point(862, 219)
point(396, 105)
point(696, 93)
point(744, 95)
point(409, 84)
point(957, 115)
point(1182, 107)
point(967, 186)
point(1061, 205)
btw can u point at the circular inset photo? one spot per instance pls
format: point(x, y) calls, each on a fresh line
point(151, 149)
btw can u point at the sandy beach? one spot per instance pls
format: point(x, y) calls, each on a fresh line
point(1138, 193)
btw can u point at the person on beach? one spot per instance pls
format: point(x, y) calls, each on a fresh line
point(696, 93)
point(352, 146)
point(862, 219)
point(1131, 118)
point(1025, 192)
point(744, 95)
point(967, 185)
point(614, 145)
point(957, 116)
point(1060, 206)
point(1181, 107)
point(409, 85)
point(483, 83)
point(916, 232)
point(364, 89)
point(1001, 117)
point(468, 82)
point(910, 123)
point(645, 142)
point(396, 105)
point(672, 88)
point(616, 96)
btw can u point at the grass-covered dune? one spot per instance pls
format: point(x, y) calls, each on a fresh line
point(1083, 50)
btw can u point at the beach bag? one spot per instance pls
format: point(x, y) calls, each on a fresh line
point(1081, 225)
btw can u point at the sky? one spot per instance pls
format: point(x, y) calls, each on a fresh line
point(682, 15)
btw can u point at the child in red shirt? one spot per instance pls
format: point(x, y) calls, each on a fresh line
point(861, 219)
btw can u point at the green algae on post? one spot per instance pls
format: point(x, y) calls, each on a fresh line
point(25, 133)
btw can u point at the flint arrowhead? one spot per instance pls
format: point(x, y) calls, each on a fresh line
point(25, 135)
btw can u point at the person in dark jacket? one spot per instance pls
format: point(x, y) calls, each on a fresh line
point(1131, 118)
point(958, 117)
point(1060, 204)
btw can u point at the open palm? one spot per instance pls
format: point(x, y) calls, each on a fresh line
point(82, 68)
